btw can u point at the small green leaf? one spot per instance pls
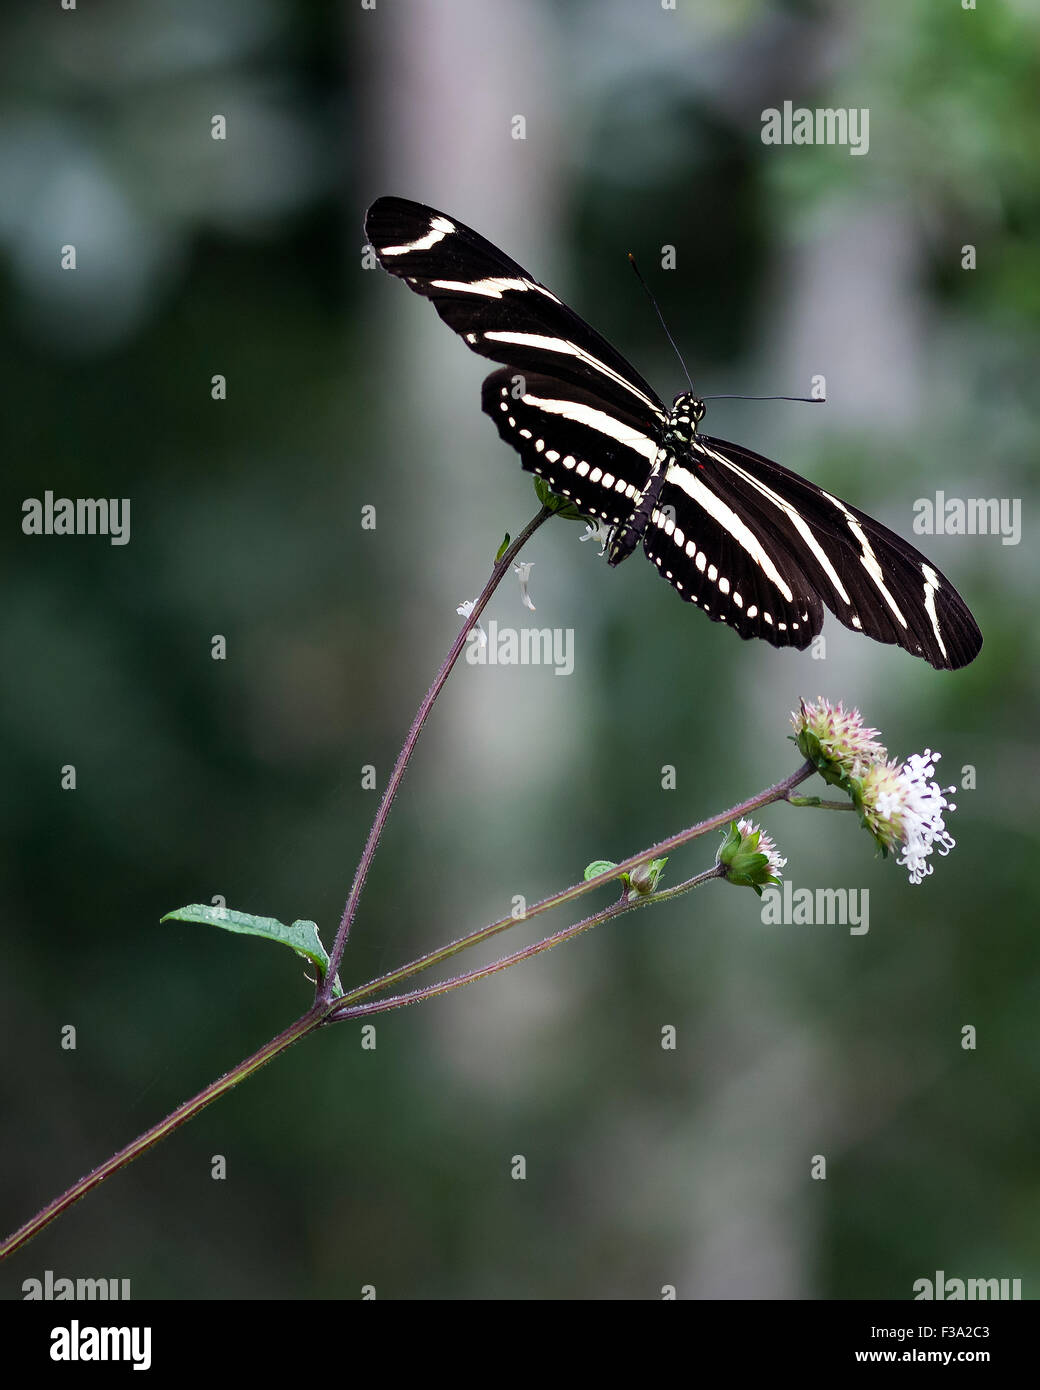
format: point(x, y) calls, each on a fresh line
point(560, 505)
point(502, 548)
point(302, 937)
point(600, 866)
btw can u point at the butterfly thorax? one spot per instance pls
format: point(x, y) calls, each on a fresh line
point(686, 413)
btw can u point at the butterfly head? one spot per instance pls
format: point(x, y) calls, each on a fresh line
point(686, 414)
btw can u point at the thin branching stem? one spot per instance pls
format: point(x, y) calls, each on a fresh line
point(498, 572)
point(777, 792)
point(616, 909)
point(325, 1009)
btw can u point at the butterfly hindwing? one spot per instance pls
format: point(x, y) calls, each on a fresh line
point(721, 559)
point(597, 458)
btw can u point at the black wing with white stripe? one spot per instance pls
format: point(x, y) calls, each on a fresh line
point(496, 307)
point(752, 544)
point(596, 456)
point(871, 580)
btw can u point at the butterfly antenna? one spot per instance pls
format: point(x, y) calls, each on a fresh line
point(808, 400)
point(657, 309)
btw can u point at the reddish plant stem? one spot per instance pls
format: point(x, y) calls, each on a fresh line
point(501, 566)
point(778, 792)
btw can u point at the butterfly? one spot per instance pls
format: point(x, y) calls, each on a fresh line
point(747, 541)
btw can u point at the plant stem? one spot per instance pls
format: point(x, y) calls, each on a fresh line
point(500, 568)
point(777, 792)
point(322, 1011)
point(347, 1006)
point(303, 1025)
point(616, 909)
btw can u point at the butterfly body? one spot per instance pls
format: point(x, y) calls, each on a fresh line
point(686, 413)
point(747, 541)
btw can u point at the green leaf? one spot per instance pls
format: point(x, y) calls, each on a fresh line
point(600, 866)
point(502, 548)
point(564, 509)
point(641, 881)
point(302, 937)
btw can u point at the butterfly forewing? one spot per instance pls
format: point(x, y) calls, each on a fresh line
point(497, 308)
point(750, 543)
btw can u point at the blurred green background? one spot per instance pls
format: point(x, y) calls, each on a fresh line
point(391, 1168)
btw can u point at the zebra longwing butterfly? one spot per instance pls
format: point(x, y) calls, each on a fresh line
point(750, 543)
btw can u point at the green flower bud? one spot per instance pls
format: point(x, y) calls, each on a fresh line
point(749, 857)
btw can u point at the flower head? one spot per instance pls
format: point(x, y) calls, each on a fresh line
point(749, 857)
point(903, 805)
point(836, 740)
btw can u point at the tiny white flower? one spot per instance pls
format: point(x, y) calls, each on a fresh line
point(522, 569)
point(464, 609)
point(766, 845)
point(597, 531)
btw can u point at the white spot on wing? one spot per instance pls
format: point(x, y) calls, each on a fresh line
point(440, 227)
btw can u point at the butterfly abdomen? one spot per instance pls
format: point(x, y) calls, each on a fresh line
point(628, 535)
